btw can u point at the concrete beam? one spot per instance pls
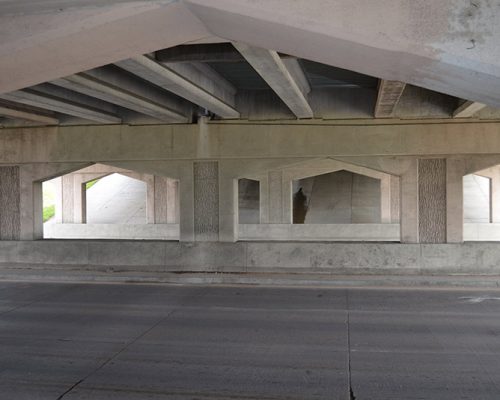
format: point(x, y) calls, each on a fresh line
point(50, 98)
point(115, 86)
point(208, 90)
point(47, 40)
point(246, 142)
point(389, 93)
point(446, 59)
point(206, 53)
point(16, 111)
point(468, 109)
point(274, 71)
point(213, 52)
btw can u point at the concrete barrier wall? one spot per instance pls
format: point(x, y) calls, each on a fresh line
point(112, 231)
point(330, 232)
point(242, 257)
point(482, 231)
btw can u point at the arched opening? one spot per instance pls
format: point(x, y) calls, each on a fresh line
point(340, 197)
point(477, 197)
point(105, 202)
point(248, 201)
point(320, 200)
point(481, 205)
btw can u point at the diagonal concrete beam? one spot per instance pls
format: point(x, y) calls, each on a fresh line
point(468, 109)
point(47, 40)
point(389, 93)
point(44, 97)
point(273, 70)
point(196, 83)
point(17, 111)
point(115, 86)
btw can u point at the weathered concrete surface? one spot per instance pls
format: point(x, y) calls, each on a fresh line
point(281, 258)
point(182, 342)
point(331, 232)
point(248, 141)
point(112, 231)
point(447, 46)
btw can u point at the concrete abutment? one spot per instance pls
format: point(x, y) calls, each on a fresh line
point(421, 194)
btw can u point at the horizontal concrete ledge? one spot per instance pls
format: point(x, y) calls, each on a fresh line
point(308, 232)
point(481, 232)
point(112, 231)
point(245, 262)
point(268, 279)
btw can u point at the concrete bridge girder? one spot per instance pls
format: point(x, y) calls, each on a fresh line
point(443, 56)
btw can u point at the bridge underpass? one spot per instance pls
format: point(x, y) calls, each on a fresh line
point(280, 143)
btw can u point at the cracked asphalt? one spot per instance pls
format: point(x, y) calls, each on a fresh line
point(130, 341)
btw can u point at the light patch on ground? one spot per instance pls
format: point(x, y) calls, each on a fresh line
point(478, 299)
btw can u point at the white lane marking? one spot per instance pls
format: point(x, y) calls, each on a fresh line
point(478, 299)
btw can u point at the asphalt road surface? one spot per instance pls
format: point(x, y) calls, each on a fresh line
point(82, 341)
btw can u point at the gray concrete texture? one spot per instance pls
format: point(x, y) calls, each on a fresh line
point(325, 259)
point(70, 341)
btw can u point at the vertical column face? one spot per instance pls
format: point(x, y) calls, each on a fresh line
point(68, 196)
point(432, 200)
point(275, 182)
point(455, 170)
point(160, 199)
point(172, 207)
point(206, 201)
point(409, 203)
point(9, 203)
point(395, 193)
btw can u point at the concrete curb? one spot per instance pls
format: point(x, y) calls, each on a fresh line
point(38, 274)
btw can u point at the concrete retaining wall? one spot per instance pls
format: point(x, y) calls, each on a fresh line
point(330, 232)
point(112, 231)
point(246, 257)
point(482, 232)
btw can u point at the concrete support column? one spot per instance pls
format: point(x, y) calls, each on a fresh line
point(264, 199)
point(279, 199)
point(385, 200)
point(150, 199)
point(206, 201)
point(186, 203)
point(409, 203)
point(172, 201)
point(275, 197)
point(30, 205)
point(395, 193)
point(228, 206)
point(287, 201)
point(432, 200)
point(455, 171)
point(163, 199)
point(68, 191)
point(10, 217)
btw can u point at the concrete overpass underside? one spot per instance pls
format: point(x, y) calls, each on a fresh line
point(207, 94)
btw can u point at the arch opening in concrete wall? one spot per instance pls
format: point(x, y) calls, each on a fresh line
point(340, 197)
point(324, 200)
point(248, 201)
point(481, 205)
point(105, 202)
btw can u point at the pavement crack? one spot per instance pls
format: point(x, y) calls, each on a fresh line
point(125, 347)
point(70, 389)
point(348, 328)
point(351, 394)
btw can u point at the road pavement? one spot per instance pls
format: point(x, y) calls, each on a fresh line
point(131, 341)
